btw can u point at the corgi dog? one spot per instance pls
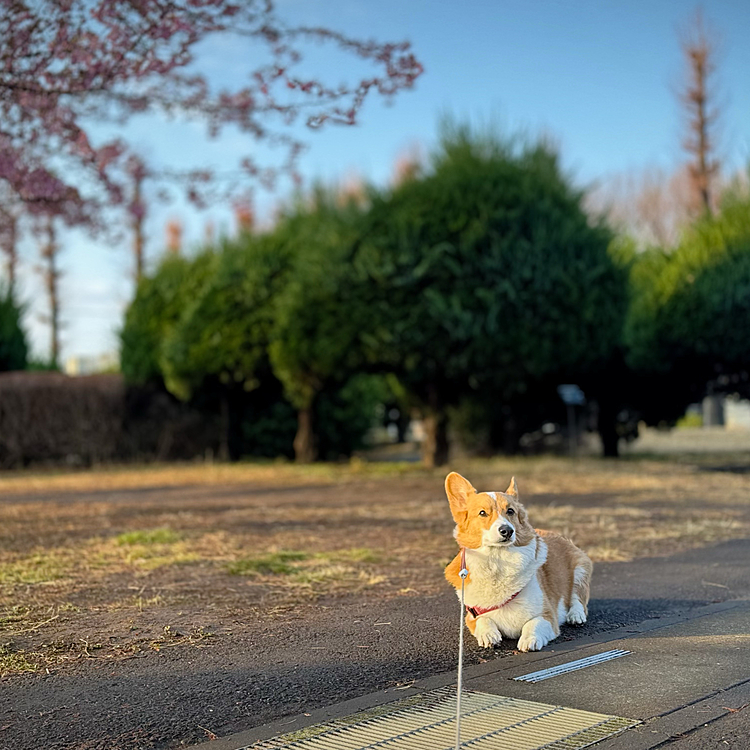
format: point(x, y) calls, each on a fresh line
point(522, 583)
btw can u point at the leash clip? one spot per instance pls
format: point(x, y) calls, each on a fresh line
point(464, 571)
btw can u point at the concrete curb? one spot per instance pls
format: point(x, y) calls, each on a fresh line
point(654, 731)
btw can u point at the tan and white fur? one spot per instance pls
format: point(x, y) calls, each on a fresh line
point(505, 555)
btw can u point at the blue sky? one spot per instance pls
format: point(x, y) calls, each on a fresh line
point(598, 76)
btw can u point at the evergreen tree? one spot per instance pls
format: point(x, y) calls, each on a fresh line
point(13, 347)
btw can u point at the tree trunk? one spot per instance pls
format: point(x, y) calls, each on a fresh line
point(138, 229)
point(137, 209)
point(51, 280)
point(305, 449)
point(435, 446)
point(699, 47)
point(224, 428)
point(11, 249)
point(511, 436)
point(606, 424)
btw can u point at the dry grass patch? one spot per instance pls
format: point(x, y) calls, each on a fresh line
point(195, 636)
point(12, 662)
point(39, 567)
point(141, 602)
point(21, 619)
point(141, 551)
point(102, 559)
point(315, 574)
point(271, 472)
point(145, 549)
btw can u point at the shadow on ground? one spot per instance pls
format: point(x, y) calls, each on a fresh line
point(318, 657)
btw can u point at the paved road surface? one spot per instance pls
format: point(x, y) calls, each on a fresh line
point(294, 667)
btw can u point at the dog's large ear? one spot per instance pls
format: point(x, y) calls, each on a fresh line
point(512, 488)
point(458, 490)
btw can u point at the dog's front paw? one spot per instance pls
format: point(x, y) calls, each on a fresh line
point(535, 635)
point(487, 633)
point(576, 614)
point(532, 642)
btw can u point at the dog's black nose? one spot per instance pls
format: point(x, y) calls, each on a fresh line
point(506, 532)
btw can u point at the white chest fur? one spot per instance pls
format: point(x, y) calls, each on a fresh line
point(497, 573)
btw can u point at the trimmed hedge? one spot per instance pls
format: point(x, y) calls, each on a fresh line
point(48, 416)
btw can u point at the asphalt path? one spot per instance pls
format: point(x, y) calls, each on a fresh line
point(732, 731)
point(323, 655)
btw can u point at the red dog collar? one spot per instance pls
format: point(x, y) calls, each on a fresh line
point(476, 611)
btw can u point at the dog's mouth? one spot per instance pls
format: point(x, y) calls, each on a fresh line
point(503, 542)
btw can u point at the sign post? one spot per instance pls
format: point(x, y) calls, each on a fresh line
point(572, 396)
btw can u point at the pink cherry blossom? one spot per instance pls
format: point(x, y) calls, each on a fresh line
point(65, 64)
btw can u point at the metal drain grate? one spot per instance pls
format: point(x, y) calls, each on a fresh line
point(571, 666)
point(427, 722)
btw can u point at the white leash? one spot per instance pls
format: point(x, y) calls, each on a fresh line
point(463, 573)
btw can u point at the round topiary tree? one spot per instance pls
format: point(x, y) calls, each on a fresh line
point(158, 304)
point(219, 343)
point(689, 321)
point(275, 313)
point(484, 275)
point(317, 321)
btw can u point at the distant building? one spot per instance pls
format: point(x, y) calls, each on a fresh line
point(92, 364)
point(737, 414)
point(731, 412)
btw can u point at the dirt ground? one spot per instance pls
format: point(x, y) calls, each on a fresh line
point(114, 565)
point(108, 564)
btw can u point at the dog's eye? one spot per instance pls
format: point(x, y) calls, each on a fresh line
point(510, 512)
point(482, 512)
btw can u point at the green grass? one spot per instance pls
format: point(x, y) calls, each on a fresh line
point(13, 662)
point(37, 568)
point(303, 567)
point(147, 537)
point(274, 563)
point(149, 549)
point(12, 617)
